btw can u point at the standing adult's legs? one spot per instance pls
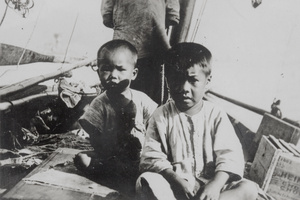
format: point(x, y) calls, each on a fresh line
point(149, 79)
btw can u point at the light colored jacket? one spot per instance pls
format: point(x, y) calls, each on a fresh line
point(194, 147)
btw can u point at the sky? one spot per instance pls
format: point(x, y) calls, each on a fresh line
point(57, 17)
point(255, 50)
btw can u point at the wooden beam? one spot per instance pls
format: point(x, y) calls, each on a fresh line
point(8, 105)
point(180, 32)
point(35, 80)
point(251, 108)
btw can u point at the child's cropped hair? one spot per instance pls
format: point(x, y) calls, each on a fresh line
point(116, 44)
point(184, 55)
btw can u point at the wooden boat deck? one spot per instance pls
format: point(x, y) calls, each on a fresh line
point(37, 184)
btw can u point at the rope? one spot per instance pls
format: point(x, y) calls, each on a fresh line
point(162, 94)
point(29, 39)
point(69, 42)
point(162, 77)
point(162, 84)
point(4, 14)
point(30, 36)
point(71, 36)
point(198, 20)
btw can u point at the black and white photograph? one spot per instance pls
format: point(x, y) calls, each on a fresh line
point(150, 99)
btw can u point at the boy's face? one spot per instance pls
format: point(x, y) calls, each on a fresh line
point(116, 69)
point(188, 89)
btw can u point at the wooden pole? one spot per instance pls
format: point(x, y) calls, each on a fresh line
point(241, 104)
point(8, 105)
point(35, 80)
point(251, 108)
point(180, 32)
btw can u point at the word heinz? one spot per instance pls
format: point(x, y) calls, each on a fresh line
point(286, 175)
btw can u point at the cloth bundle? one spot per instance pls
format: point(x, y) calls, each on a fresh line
point(70, 92)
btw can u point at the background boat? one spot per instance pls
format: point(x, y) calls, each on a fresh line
point(255, 49)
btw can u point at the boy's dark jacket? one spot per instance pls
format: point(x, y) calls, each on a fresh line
point(141, 22)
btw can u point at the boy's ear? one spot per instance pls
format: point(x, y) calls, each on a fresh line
point(134, 73)
point(208, 82)
point(208, 79)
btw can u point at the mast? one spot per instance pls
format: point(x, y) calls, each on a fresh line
point(180, 32)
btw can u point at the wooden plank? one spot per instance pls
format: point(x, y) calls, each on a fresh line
point(278, 145)
point(280, 129)
point(33, 192)
point(289, 147)
point(297, 149)
point(263, 161)
point(35, 80)
point(270, 171)
point(279, 176)
point(24, 190)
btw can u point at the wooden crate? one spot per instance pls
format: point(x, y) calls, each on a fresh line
point(271, 125)
point(276, 169)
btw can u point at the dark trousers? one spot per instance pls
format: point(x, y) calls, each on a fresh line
point(149, 79)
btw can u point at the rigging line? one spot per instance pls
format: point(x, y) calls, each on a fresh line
point(237, 11)
point(198, 20)
point(31, 34)
point(69, 42)
point(162, 95)
point(162, 71)
point(29, 39)
point(4, 13)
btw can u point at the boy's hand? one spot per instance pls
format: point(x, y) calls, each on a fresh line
point(178, 184)
point(213, 188)
point(211, 191)
point(185, 187)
